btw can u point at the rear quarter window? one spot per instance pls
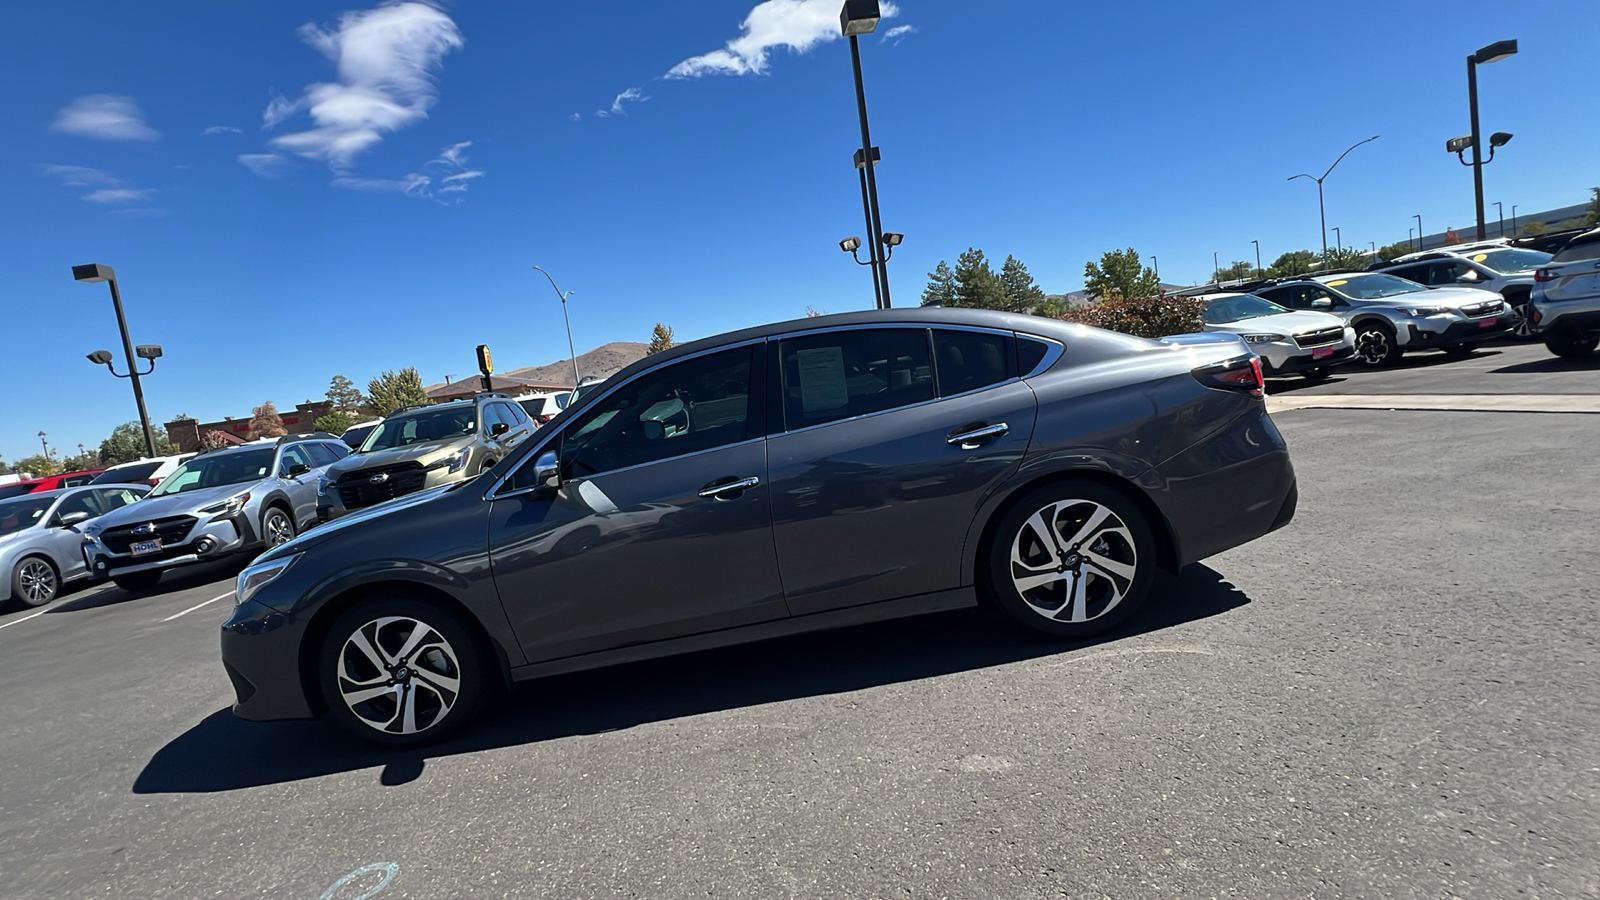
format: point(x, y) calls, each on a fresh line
point(1575, 252)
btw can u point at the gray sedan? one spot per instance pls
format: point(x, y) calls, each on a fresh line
point(39, 542)
point(788, 478)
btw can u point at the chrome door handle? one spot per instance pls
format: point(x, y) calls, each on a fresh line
point(976, 435)
point(713, 491)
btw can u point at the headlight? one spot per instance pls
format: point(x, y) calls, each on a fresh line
point(259, 576)
point(227, 507)
point(1262, 338)
point(454, 462)
point(323, 483)
point(90, 532)
point(1424, 311)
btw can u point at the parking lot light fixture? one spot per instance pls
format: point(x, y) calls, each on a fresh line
point(1421, 241)
point(1338, 239)
point(1500, 213)
point(1493, 53)
point(1322, 212)
point(858, 17)
point(565, 318)
point(94, 273)
point(1258, 258)
point(1513, 220)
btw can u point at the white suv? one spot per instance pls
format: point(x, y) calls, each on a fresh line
point(1566, 298)
point(1508, 271)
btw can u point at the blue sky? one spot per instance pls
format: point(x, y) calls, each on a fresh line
point(290, 190)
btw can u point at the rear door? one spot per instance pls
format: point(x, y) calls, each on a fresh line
point(1578, 267)
point(888, 439)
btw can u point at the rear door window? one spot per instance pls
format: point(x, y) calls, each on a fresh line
point(970, 360)
point(843, 374)
point(1576, 252)
point(320, 454)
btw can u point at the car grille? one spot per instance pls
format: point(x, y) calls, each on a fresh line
point(1488, 308)
point(171, 530)
point(1318, 338)
point(356, 489)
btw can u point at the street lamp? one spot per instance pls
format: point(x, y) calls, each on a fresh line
point(1338, 239)
point(1421, 241)
point(858, 17)
point(570, 348)
point(1258, 258)
point(1513, 220)
point(1493, 53)
point(1322, 214)
point(1500, 213)
point(95, 272)
point(1215, 267)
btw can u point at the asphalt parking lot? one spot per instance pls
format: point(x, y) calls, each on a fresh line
point(1394, 696)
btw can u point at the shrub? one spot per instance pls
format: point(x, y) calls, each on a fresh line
point(1150, 317)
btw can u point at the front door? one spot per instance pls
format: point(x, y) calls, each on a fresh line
point(873, 489)
point(662, 524)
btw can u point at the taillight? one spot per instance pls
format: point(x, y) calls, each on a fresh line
point(543, 420)
point(1545, 274)
point(1241, 374)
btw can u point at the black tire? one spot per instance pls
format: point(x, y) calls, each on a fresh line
point(1570, 343)
point(277, 527)
point(1320, 373)
point(1376, 345)
point(137, 581)
point(1460, 351)
point(438, 712)
point(34, 582)
point(1106, 599)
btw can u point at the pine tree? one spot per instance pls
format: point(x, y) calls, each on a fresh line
point(334, 423)
point(391, 391)
point(977, 286)
point(1120, 276)
point(660, 339)
point(265, 422)
point(941, 289)
point(345, 396)
point(1022, 294)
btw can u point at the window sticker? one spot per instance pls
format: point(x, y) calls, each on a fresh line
point(1339, 282)
point(822, 383)
point(1480, 257)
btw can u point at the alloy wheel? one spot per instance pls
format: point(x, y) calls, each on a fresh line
point(1372, 347)
point(37, 582)
point(398, 675)
point(1073, 561)
point(1524, 323)
point(279, 529)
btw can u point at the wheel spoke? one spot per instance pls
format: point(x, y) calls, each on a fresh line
point(372, 693)
point(418, 633)
point(1111, 583)
point(1045, 529)
point(1091, 527)
point(1077, 601)
point(1110, 566)
point(408, 724)
point(1028, 582)
point(436, 681)
point(375, 656)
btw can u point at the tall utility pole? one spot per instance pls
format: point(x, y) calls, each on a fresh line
point(858, 17)
point(1493, 53)
point(94, 272)
point(1322, 211)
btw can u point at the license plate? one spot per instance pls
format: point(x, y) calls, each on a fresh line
point(1486, 323)
point(144, 548)
point(1321, 352)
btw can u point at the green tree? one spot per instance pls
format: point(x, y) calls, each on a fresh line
point(1239, 270)
point(183, 417)
point(126, 444)
point(1295, 262)
point(5, 468)
point(345, 396)
point(395, 390)
point(941, 289)
point(660, 339)
point(334, 423)
point(1120, 276)
point(1592, 218)
point(1530, 229)
point(265, 421)
point(213, 439)
point(86, 459)
point(39, 465)
point(1021, 293)
point(977, 286)
point(1345, 258)
point(1396, 250)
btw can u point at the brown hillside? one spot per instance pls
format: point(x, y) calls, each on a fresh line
point(602, 361)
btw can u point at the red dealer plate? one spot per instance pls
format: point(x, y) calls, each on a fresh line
point(143, 548)
point(1488, 322)
point(1320, 352)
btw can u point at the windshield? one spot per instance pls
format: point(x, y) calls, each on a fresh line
point(15, 490)
point(212, 471)
point(1232, 309)
point(435, 425)
point(1372, 286)
point(355, 434)
point(583, 390)
point(1511, 261)
point(25, 512)
point(138, 473)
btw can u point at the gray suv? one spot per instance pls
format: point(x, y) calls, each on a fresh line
point(221, 502)
point(1392, 315)
point(424, 447)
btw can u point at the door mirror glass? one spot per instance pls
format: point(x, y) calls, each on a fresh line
point(499, 428)
point(297, 469)
point(1322, 303)
point(67, 520)
point(547, 471)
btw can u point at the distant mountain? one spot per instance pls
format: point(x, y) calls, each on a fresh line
point(601, 362)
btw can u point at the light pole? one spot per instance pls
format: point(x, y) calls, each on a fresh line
point(1513, 220)
point(1216, 267)
point(858, 17)
point(95, 272)
point(570, 348)
point(1338, 239)
point(1422, 242)
point(1258, 258)
point(1493, 53)
point(1322, 214)
point(1500, 213)
point(1411, 236)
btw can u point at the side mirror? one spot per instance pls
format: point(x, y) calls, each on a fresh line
point(297, 469)
point(72, 518)
point(1322, 303)
point(499, 428)
point(547, 471)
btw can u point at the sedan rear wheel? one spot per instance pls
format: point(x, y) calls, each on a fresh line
point(34, 582)
point(1072, 560)
point(403, 671)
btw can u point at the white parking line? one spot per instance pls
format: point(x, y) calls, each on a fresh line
point(194, 607)
point(24, 619)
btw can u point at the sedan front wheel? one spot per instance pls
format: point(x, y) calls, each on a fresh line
point(34, 582)
point(1072, 560)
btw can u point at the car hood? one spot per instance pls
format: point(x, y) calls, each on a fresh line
point(1289, 323)
point(1453, 297)
point(320, 533)
point(185, 503)
point(425, 453)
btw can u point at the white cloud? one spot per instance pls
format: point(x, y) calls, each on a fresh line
point(451, 161)
point(796, 24)
point(267, 165)
point(413, 185)
point(385, 59)
point(633, 94)
point(221, 129)
point(105, 117)
point(577, 117)
point(119, 195)
point(898, 33)
point(105, 187)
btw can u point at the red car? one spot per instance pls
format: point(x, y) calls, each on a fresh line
point(49, 483)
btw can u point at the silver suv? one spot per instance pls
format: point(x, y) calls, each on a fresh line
point(424, 447)
point(1566, 298)
point(221, 502)
point(1393, 316)
point(1508, 271)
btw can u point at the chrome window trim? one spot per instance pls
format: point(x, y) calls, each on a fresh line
point(1052, 354)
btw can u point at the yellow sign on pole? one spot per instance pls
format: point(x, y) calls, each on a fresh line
point(485, 361)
